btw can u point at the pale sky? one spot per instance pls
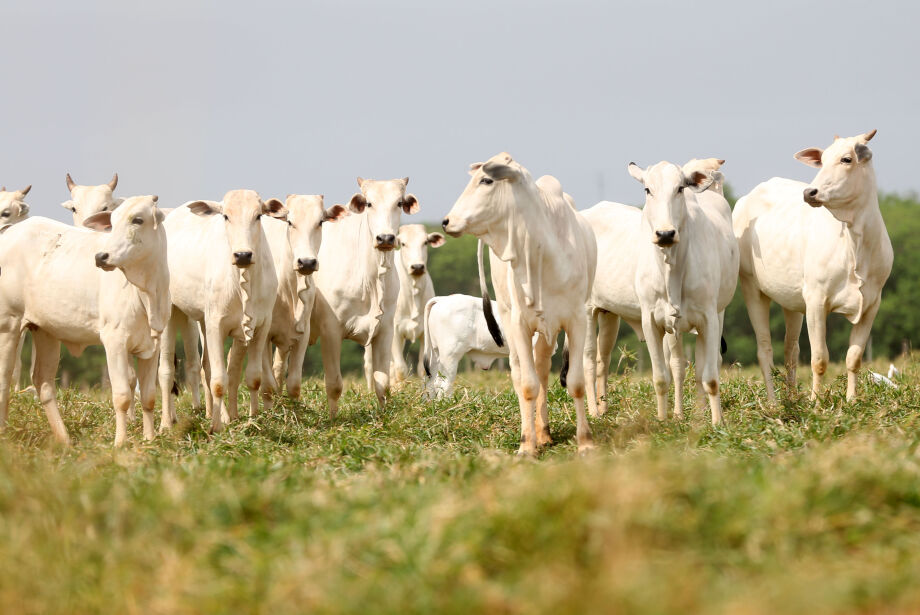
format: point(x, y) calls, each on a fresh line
point(190, 99)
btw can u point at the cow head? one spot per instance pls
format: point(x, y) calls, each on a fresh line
point(665, 199)
point(414, 242)
point(846, 171)
point(135, 232)
point(492, 188)
point(12, 207)
point(88, 200)
point(305, 219)
point(384, 201)
point(241, 210)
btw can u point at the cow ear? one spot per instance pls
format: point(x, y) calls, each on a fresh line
point(435, 240)
point(118, 201)
point(158, 217)
point(699, 181)
point(810, 156)
point(334, 213)
point(637, 172)
point(361, 181)
point(275, 209)
point(863, 153)
point(23, 209)
point(203, 208)
point(357, 202)
point(69, 206)
point(410, 204)
point(101, 221)
point(501, 168)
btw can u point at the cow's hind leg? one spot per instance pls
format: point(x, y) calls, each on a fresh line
point(576, 382)
point(543, 356)
point(9, 354)
point(791, 345)
point(382, 354)
point(331, 350)
point(147, 383)
point(47, 355)
point(709, 338)
point(758, 307)
point(167, 372)
point(608, 328)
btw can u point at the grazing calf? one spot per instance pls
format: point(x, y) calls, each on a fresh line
point(223, 278)
point(88, 200)
point(543, 256)
point(357, 286)
point(617, 228)
point(815, 249)
point(455, 326)
point(415, 289)
point(686, 274)
point(61, 283)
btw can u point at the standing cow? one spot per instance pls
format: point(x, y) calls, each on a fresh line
point(357, 286)
point(815, 249)
point(686, 274)
point(86, 201)
point(415, 289)
point(61, 283)
point(543, 255)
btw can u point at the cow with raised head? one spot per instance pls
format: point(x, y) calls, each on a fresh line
point(543, 256)
point(815, 249)
point(415, 289)
point(222, 277)
point(80, 287)
point(13, 207)
point(88, 200)
point(357, 285)
point(686, 274)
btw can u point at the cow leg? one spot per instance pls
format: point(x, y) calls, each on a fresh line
point(17, 365)
point(710, 339)
point(528, 384)
point(269, 387)
point(654, 336)
point(399, 370)
point(678, 366)
point(791, 344)
point(217, 375)
point(166, 371)
point(382, 349)
point(592, 315)
point(576, 383)
point(859, 337)
point(758, 307)
point(609, 328)
point(255, 379)
point(10, 339)
point(189, 331)
point(147, 381)
point(121, 376)
point(543, 356)
point(816, 319)
point(47, 351)
point(279, 364)
point(206, 373)
point(369, 366)
point(420, 367)
point(234, 377)
point(295, 363)
point(699, 357)
point(331, 350)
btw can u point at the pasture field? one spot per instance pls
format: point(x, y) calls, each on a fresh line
point(803, 508)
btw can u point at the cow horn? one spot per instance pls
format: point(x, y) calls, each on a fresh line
point(868, 136)
point(360, 182)
point(2, 188)
point(113, 183)
point(25, 190)
point(71, 184)
point(406, 180)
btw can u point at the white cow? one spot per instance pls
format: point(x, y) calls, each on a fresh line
point(223, 277)
point(415, 289)
point(617, 228)
point(13, 208)
point(357, 286)
point(686, 274)
point(88, 200)
point(814, 249)
point(455, 326)
point(543, 256)
point(61, 282)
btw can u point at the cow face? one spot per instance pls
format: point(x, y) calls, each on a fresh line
point(88, 200)
point(487, 196)
point(414, 242)
point(384, 202)
point(135, 232)
point(846, 172)
point(665, 202)
point(241, 210)
point(12, 207)
point(305, 219)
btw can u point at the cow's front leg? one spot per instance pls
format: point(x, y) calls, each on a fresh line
point(10, 340)
point(147, 380)
point(527, 385)
point(399, 370)
point(254, 371)
point(167, 371)
point(816, 319)
point(576, 383)
point(331, 350)
point(859, 336)
point(543, 356)
point(121, 377)
point(381, 353)
point(295, 363)
point(709, 338)
point(678, 367)
point(235, 359)
point(217, 378)
point(654, 336)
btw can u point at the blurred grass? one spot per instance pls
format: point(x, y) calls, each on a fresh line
point(422, 507)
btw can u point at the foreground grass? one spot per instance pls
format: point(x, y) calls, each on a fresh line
point(422, 507)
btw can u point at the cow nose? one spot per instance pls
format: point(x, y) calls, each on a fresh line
point(307, 265)
point(242, 259)
point(445, 222)
point(811, 195)
point(665, 238)
point(101, 258)
point(386, 241)
point(417, 269)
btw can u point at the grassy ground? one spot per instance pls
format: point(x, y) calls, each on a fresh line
point(803, 508)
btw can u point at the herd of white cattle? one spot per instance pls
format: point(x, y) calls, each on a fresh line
point(275, 276)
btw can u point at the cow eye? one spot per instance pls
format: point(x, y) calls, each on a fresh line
point(648, 192)
point(73, 209)
point(138, 220)
point(846, 160)
point(369, 204)
point(258, 216)
point(225, 217)
point(680, 189)
point(487, 181)
point(5, 214)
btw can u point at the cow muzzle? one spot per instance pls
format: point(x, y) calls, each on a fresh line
point(811, 197)
point(102, 261)
point(453, 233)
point(306, 266)
point(417, 270)
point(385, 242)
point(665, 238)
point(242, 259)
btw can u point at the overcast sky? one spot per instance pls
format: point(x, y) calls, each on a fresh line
point(190, 99)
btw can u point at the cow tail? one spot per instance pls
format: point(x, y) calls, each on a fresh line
point(564, 372)
point(494, 330)
point(427, 348)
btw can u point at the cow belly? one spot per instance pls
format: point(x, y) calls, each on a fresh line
point(781, 283)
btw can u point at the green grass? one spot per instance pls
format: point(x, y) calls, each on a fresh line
point(423, 507)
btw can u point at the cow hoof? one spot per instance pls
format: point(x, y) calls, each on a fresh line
point(526, 452)
point(544, 439)
point(585, 448)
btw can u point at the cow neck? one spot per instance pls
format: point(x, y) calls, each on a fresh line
point(416, 285)
point(378, 264)
point(304, 286)
point(247, 278)
point(669, 261)
point(151, 283)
